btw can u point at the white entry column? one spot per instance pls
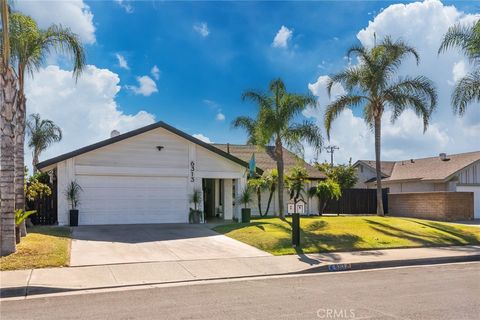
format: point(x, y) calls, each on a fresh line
point(240, 184)
point(227, 199)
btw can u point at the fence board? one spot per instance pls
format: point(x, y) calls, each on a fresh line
point(357, 201)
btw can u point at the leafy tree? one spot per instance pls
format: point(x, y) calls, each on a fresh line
point(372, 85)
point(30, 46)
point(267, 181)
point(344, 174)
point(275, 123)
point(325, 191)
point(296, 180)
point(270, 177)
point(42, 133)
point(258, 185)
point(8, 100)
point(467, 39)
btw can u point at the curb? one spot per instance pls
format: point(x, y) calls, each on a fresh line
point(16, 293)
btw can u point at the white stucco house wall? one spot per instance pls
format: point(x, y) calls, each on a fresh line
point(453, 172)
point(147, 176)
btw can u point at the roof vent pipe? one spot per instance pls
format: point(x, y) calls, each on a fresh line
point(228, 147)
point(114, 133)
point(443, 156)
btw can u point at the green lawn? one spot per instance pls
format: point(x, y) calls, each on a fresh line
point(42, 247)
point(347, 233)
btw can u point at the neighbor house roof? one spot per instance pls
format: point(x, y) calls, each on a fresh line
point(265, 158)
point(386, 167)
point(133, 133)
point(432, 168)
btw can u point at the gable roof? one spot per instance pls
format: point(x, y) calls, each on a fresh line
point(265, 158)
point(386, 167)
point(431, 168)
point(136, 132)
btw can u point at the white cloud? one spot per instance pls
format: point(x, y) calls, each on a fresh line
point(155, 72)
point(74, 14)
point(200, 136)
point(220, 116)
point(55, 96)
point(122, 62)
point(146, 86)
point(282, 37)
point(202, 29)
point(421, 24)
point(125, 5)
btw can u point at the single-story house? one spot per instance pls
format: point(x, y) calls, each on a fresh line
point(147, 176)
point(443, 173)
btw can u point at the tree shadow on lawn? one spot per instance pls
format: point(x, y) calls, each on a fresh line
point(55, 231)
point(453, 236)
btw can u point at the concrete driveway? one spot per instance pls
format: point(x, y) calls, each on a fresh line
point(113, 244)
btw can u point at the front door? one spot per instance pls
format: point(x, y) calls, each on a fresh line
point(209, 197)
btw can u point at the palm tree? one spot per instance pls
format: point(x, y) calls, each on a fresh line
point(42, 133)
point(30, 46)
point(467, 39)
point(371, 84)
point(8, 96)
point(275, 122)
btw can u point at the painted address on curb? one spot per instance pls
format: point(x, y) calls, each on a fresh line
point(340, 267)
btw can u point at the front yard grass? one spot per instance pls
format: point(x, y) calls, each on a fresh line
point(43, 247)
point(348, 233)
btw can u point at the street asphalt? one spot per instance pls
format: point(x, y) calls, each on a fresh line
point(450, 291)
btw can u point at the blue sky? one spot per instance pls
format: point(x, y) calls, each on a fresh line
point(236, 55)
point(208, 53)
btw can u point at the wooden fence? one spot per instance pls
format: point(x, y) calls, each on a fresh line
point(357, 201)
point(46, 208)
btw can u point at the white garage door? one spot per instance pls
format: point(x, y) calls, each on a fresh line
point(132, 200)
point(476, 198)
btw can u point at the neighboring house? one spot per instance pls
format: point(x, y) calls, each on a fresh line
point(455, 172)
point(147, 176)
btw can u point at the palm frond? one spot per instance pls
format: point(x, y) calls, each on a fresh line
point(334, 109)
point(63, 40)
point(306, 131)
point(466, 91)
point(465, 37)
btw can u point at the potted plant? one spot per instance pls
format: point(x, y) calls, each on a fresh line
point(73, 196)
point(246, 197)
point(20, 216)
point(195, 215)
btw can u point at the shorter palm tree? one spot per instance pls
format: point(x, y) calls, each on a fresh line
point(276, 124)
point(467, 39)
point(42, 133)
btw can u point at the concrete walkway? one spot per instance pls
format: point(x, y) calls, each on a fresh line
point(25, 283)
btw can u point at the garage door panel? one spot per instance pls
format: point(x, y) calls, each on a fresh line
point(476, 198)
point(124, 199)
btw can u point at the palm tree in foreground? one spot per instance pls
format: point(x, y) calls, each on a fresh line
point(373, 85)
point(467, 89)
point(42, 133)
point(275, 123)
point(8, 95)
point(30, 46)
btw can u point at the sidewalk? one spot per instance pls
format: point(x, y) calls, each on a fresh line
point(23, 283)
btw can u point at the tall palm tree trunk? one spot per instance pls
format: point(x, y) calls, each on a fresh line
point(20, 154)
point(378, 133)
point(8, 95)
point(35, 160)
point(279, 156)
